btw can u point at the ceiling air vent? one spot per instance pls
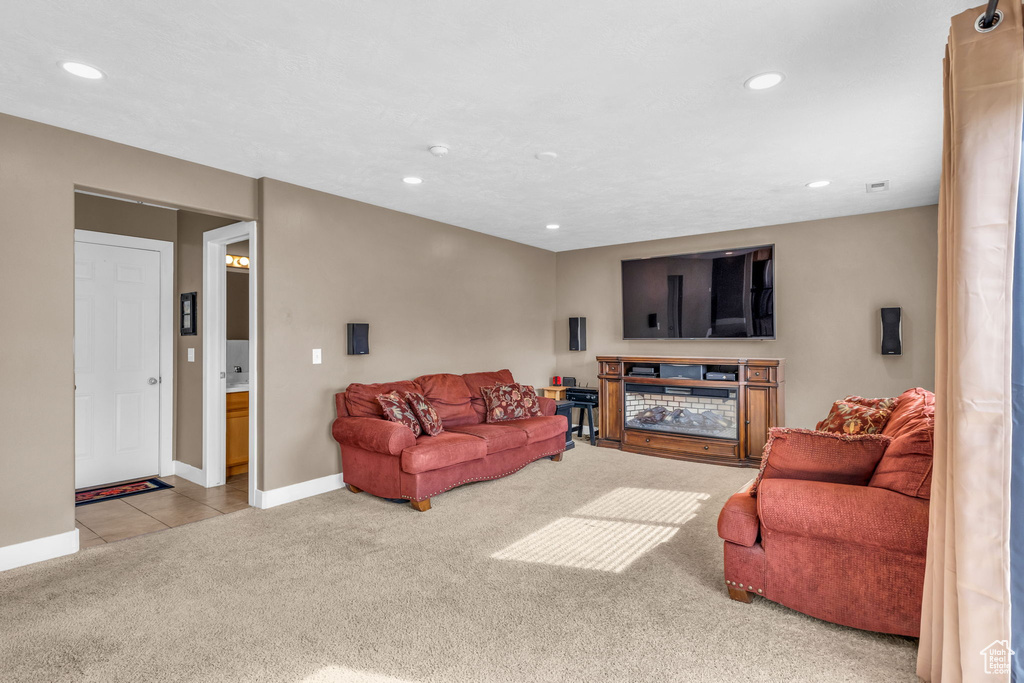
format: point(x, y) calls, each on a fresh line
point(882, 186)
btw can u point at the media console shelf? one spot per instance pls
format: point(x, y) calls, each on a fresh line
point(715, 410)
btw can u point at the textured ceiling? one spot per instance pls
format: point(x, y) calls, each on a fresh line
point(642, 101)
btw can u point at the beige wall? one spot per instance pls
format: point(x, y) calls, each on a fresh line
point(438, 299)
point(101, 214)
point(40, 167)
point(238, 304)
point(188, 442)
point(831, 278)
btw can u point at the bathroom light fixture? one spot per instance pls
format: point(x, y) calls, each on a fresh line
point(764, 81)
point(237, 261)
point(412, 180)
point(82, 70)
point(819, 183)
point(552, 226)
point(229, 259)
point(243, 261)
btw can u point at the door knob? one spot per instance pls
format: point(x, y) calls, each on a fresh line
point(153, 380)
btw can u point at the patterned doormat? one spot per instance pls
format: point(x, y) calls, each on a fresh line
point(134, 488)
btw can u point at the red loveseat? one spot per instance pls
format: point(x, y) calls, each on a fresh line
point(385, 459)
point(849, 554)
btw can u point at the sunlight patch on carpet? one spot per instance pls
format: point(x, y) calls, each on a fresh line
point(340, 674)
point(604, 545)
point(645, 505)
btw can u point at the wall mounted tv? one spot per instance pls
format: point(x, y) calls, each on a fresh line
point(726, 294)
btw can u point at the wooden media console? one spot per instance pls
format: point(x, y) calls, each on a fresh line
point(715, 410)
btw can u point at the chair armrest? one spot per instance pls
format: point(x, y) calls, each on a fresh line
point(738, 522)
point(373, 434)
point(863, 515)
point(547, 405)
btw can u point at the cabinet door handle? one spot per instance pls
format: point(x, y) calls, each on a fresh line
point(705, 448)
point(647, 440)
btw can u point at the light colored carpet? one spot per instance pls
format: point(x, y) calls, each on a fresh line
point(343, 588)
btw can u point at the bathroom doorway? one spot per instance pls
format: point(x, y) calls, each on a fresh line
point(237, 357)
point(230, 375)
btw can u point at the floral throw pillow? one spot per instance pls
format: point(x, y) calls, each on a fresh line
point(857, 415)
point(510, 402)
point(424, 412)
point(397, 410)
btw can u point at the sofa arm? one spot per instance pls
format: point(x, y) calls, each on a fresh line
point(547, 405)
point(738, 522)
point(373, 434)
point(862, 515)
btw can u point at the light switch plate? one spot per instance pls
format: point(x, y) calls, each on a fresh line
point(191, 355)
point(317, 357)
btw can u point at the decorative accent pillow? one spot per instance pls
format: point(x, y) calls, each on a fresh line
point(510, 402)
point(820, 456)
point(857, 415)
point(397, 410)
point(906, 466)
point(424, 412)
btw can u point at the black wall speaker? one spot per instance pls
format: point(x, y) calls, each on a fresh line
point(358, 338)
point(892, 332)
point(577, 334)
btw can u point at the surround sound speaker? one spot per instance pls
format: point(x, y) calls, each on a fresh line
point(358, 339)
point(892, 331)
point(577, 334)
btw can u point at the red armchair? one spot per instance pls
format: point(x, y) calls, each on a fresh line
point(849, 553)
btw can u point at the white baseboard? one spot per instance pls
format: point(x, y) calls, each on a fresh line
point(305, 489)
point(46, 548)
point(186, 471)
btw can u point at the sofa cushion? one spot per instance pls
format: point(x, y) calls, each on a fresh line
point(906, 466)
point(443, 450)
point(450, 397)
point(361, 399)
point(849, 417)
point(477, 380)
point(397, 410)
point(514, 401)
point(541, 428)
point(820, 456)
point(424, 412)
point(914, 411)
point(499, 437)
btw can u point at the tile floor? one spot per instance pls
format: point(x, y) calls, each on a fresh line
point(115, 520)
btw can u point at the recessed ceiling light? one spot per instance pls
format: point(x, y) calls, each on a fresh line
point(552, 226)
point(412, 180)
point(764, 81)
point(820, 183)
point(82, 70)
point(546, 156)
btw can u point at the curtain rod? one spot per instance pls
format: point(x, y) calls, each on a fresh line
point(990, 13)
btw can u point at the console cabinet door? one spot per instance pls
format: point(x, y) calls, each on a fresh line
point(758, 402)
point(611, 410)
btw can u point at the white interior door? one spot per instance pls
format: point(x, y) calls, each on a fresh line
point(117, 364)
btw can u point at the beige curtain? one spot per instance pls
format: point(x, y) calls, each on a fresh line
point(967, 588)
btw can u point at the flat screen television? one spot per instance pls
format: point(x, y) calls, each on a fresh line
point(726, 294)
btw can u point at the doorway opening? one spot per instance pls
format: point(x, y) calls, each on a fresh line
point(141, 401)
